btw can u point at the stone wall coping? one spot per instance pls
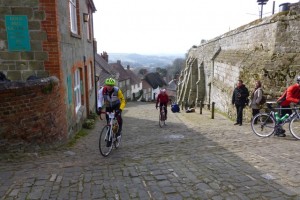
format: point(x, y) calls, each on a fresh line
point(6, 85)
point(281, 16)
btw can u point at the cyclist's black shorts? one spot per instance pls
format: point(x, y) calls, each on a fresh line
point(111, 109)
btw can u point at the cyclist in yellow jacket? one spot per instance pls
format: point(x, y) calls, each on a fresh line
point(112, 98)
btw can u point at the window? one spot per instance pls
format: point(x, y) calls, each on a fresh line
point(77, 90)
point(128, 94)
point(73, 16)
point(88, 28)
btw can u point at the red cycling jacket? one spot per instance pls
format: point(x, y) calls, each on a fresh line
point(292, 94)
point(163, 99)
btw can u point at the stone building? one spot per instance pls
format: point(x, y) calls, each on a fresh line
point(103, 69)
point(152, 83)
point(267, 49)
point(123, 78)
point(135, 84)
point(47, 53)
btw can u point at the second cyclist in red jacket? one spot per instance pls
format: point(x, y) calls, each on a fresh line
point(162, 99)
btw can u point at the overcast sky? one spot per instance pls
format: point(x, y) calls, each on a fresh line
point(169, 26)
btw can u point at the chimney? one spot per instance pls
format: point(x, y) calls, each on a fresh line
point(119, 62)
point(128, 67)
point(104, 55)
point(95, 44)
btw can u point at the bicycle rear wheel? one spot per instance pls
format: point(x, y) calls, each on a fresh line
point(105, 141)
point(295, 128)
point(263, 125)
point(162, 119)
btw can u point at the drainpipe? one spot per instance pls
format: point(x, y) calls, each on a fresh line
point(95, 77)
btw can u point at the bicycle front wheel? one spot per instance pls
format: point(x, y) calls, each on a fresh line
point(117, 141)
point(162, 118)
point(263, 124)
point(295, 128)
point(105, 141)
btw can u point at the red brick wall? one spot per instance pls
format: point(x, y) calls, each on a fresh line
point(51, 45)
point(32, 114)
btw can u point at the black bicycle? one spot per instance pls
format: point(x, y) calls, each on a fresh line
point(162, 116)
point(266, 124)
point(108, 136)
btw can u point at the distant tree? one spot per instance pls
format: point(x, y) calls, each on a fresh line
point(143, 71)
point(162, 71)
point(178, 64)
point(176, 67)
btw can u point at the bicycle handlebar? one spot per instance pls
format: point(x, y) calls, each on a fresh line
point(269, 105)
point(106, 113)
point(100, 115)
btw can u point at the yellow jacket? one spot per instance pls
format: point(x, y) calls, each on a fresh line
point(112, 98)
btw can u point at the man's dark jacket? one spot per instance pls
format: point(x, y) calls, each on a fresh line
point(240, 96)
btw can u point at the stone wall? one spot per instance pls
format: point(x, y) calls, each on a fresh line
point(76, 53)
point(32, 115)
point(19, 65)
point(266, 49)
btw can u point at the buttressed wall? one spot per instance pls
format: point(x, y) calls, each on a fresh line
point(266, 49)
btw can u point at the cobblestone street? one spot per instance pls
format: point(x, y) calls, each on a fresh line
point(193, 157)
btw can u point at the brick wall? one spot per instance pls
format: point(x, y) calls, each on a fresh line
point(54, 52)
point(52, 43)
point(32, 115)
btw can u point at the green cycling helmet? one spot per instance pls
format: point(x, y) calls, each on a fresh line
point(110, 82)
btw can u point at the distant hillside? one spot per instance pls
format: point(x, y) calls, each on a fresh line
point(137, 60)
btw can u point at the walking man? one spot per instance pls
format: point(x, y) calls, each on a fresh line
point(240, 99)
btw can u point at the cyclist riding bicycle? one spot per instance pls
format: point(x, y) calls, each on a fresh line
point(162, 99)
point(113, 99)
point(290, 95)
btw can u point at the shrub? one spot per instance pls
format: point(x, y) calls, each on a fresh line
point(92, 116)
point(89, 124)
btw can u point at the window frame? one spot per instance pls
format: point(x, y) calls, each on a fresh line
point(90, 75)
point(73, 17)
point(77, 90)
point(88, 26)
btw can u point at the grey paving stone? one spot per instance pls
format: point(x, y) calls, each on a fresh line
point(193, 157)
